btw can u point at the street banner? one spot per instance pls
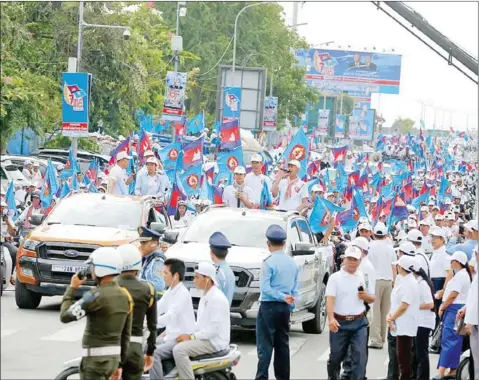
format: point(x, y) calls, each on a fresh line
point(173, 108)
point(361, 124)
point(362, 104)
point(270, 115)
point(339, 126)
point(323, 122)
point(232, 104)
point(352, 70)
point(75, 104)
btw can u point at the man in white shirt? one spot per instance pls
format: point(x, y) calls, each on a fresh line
point(117, 180)
point(27, 170)
point(175, 310)
point(212, 332)
point(238, 195)
point(382, 257)
point(293, 193)
point(36, 175)
point(424, 227)
point(255, 179)
point(416, 238)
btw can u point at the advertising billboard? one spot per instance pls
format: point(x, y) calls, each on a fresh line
point(173, 108)
point(350, 70)
point(323, 122)
point(75, 104)
point(361, 124)
point(339, 126)
point(270, 115)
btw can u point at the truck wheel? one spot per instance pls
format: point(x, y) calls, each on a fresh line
point(24, 298)
point(65, 374)
point(317, 324)
point(462, 372)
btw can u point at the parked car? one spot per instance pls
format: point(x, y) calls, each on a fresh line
point(9, 172)
point(82, 156)
point(79, 224)
point(20, 160)
point(245, 229)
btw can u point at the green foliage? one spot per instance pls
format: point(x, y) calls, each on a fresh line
point(63, 142)
point(403, 125)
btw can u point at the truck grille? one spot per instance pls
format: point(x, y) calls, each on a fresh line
point(66, 251)
point(242, 276)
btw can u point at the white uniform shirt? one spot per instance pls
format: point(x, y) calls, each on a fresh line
point(175, 310)
point(422, 255)
point(213, 321)
point(37, 178)
point(439, 263)
point(382, 256)
point(119, 176)
point(344, 287)
point(426, 244)
point(184, 221)
point(406, 291)
point(460, 283)
point(298, 193)
point(229, 196)
point(255, 183)
point(369, 273)
point(427, 318)
point(26, 173)
point(471, 304)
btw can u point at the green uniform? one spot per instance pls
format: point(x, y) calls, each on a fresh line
point(108, 310)
point(143, 294)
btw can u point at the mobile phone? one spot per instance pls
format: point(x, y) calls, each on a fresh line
point(360, 288)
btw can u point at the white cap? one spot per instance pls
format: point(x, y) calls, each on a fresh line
point(380, 229)
point(240, 170)
point(411, 208)
point(419, 264)
point(411, 223)
point(352, 252)
point(415, 236)
point(207, 269)
point(425, 209)
point(256, 158)
point(406, 262)
point(436, 208)
point(425, 222)
point(459, 256)
point(60, 167)
point(407, 248)
point(431, 203)
point(360, 242)
point(447, 201)
point(439, 217)
point(317, 187)
point(365, 226)
point(152, 160)
point(36, 164)
point(438, 231)
point(149, 153)
point(27, 162)
point(295, 163)
point(122, 156)
point(471, 225)
point(450, 217)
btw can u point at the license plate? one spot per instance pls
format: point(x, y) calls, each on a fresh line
point(195, 292)
point(66, 268)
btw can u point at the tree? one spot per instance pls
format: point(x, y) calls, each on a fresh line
point(403, 126)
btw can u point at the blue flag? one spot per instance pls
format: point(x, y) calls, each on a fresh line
point(196, 124)
point(265, 197)
point(298, 149)
point(319, 218)
point(11, 204)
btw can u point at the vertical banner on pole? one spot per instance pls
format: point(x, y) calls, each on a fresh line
point(323, 122)
point(270, 115)
point(339, 126)
point(173, 107)
point(361, 124)
point(232, 103)
point(75, 104)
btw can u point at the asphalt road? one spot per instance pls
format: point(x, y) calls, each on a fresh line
point(35, 344)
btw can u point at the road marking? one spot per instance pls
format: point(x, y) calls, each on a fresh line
point(8, 332)
point(325, 356)
point(69, 334)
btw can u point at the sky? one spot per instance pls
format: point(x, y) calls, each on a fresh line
point(425, 77)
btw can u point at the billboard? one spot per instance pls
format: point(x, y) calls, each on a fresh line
point(361, 124)
point(323, 122)
point(350, 70)
point(339, 126)
point(270, 116)
point(75, 104)
point(173, 108)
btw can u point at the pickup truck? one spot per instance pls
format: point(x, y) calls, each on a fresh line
point(245, 229)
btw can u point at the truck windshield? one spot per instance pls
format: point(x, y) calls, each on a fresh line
point(243, 231)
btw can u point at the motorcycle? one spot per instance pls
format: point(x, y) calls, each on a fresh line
point(217, 366)
point(6, 272)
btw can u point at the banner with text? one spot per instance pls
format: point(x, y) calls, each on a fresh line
point(270, 116)
point(75, 104)
point(361, 124)
point(232, 103)
point(173, 108)
point(323, 122)
point(339, 126)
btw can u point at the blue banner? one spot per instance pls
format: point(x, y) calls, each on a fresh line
point(361, 124)
point(173, 107)
point(75, 104)
point(231, 104)
point(270, 115)
point(339, 126)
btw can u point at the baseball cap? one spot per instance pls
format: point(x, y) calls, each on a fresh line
point(208, 270)
point(60, 167)
point(471, 225)
point(431, 203)
point(328, 195)
point(415, 236)
point(27, 162)
point(436, 208)
point(360, 242)
point(450, 217)
point(411, 223)
point(439, 217)
point(419, 264)
point(36, 164)
point(424, 208)
point(380, 229)
point(425, 222)
point(406, 262)
point(407, 248)
point(256, 158)
point(352, 252)
point(295, 163)
point(438, 231)
point(365, 226)
point(149, 153)
point(459, 256)
point(122, 156)
point(240, 170)
point(152, 160)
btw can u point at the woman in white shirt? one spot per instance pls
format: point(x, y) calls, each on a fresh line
point(183, 216)
point(454, 298)
point(403, 317)
point(426, 321)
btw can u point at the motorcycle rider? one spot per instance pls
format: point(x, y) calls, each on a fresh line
point(108, 309)
point(153, 259)
point(143, 294)
point(35, 209)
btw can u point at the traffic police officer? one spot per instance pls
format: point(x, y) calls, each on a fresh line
point(143, 294)
point(153, 259)
point(278, 285)
point(219, 246)
point(108, 310)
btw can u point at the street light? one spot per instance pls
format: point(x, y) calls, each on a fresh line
point(322, 43)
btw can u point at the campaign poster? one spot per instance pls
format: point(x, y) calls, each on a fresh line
point(361, 70)
point(75, 104)
point(339, 128)
point(323, 122)
point(361, 124)
point(231, 104)
point(270, 115)
point(173, 107)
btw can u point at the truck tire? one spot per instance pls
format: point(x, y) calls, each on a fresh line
point(24, 298)
point(317, 324)
point(462, 372)
point(65, 374)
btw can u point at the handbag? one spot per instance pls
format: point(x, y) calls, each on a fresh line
point(460, 327)
point(435, 345)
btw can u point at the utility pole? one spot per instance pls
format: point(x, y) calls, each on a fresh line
point(295, 15)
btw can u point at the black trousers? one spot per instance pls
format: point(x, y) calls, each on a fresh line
point(421, 354)
point(13, 253)
point(393, 366)
point(272, 332)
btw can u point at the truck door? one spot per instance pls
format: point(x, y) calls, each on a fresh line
point(311, 263)
point(293, 238)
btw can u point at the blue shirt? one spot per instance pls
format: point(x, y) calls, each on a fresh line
point(467, 247)
point(226, 280)
point(279, 278)
point(152, 271)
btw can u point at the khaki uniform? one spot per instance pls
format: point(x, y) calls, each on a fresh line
point(108, 309)
point(143, 294)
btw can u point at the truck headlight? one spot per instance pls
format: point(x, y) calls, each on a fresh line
point(256, 273)
point(30, 245)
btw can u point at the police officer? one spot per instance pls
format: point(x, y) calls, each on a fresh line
point(143, 294)
point(279, 285)
point(219, 246)
point(153, 259)
point(108, 310)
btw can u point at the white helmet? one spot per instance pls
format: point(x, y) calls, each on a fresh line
point(106, 261)
point(131, 257)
